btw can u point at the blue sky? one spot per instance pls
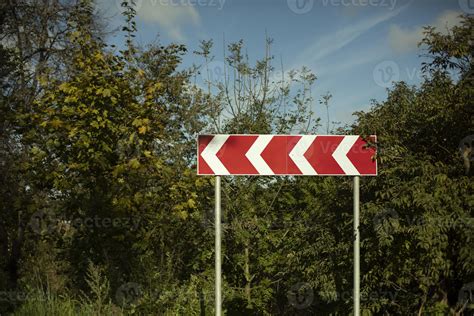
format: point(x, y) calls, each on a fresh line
point(356, 48)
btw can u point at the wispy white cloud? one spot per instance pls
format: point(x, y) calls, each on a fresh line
point(331, 43)
point(404, 40)
point(172, 18)
point(356, 60)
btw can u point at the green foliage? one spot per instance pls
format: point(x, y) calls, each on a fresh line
point(47, 303)
point(425, 253)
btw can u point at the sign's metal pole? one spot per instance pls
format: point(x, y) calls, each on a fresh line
point(356, 248)
point(218, 294)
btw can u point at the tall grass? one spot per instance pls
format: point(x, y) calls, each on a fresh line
point(97, 302)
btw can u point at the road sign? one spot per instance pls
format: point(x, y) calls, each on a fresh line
point(266, 155)
point(328, 155)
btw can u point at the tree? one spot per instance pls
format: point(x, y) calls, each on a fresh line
point(253, 98)
point(422, 249)
point(34, 45)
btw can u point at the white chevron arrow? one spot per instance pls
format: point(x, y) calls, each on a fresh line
point(297, 155)
point(209, 154)
point(254, 154)
point(340, 155)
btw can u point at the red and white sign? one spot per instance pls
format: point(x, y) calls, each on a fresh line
point(285, 155)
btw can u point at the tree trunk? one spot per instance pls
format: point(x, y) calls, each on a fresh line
point(248, 277)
